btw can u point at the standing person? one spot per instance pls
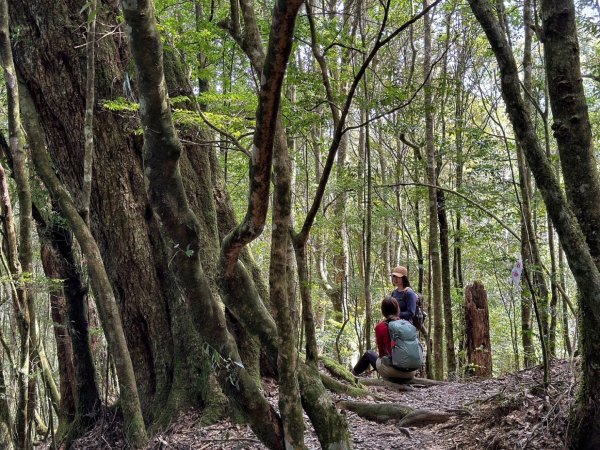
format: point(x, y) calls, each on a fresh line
point(381, 361)
point(407, 299)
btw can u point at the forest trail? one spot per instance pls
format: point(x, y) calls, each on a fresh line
point(510, 412)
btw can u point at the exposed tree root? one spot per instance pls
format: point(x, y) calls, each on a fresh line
point(356, 390)
point(337, 370)
point(397, 385)
point(383, 412)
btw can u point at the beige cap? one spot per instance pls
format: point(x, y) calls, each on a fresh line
point(400, 271)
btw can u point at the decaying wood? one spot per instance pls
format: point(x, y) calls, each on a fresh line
point(382, 412)
point(477, 330)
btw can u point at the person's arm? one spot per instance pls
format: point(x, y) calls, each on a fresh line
point(382, 336)
point(410, 298)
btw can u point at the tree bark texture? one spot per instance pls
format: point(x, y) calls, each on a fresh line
point(446, 283)
point(22, 300)
point(579, 254)
point(162, 151)
point(90, 92)
point(6, 425)
point(159, 333)
point(477, 330)
point(59, 262)
point(64, 347)
point(104, 295)
point(573, 135)
point(529, 242)
point(571, 125)
point(367, 236)
point(526, 254)
point(289, 395)
point(434, 244)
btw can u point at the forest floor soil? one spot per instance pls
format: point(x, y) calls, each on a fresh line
point(509, 412)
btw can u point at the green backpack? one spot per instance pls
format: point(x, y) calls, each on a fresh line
point(407, 353)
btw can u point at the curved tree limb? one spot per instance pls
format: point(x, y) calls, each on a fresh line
point(271, 80)
point(162, 150)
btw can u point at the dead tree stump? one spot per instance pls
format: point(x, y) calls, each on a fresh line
point(477, 331)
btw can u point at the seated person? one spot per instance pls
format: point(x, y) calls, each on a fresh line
point(381, 361)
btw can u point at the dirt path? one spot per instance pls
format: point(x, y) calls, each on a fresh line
point(511, 412)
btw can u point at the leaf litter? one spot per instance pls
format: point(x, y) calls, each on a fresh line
point(509, 412)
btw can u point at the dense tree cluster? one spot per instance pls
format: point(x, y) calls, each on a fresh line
point(198, 194)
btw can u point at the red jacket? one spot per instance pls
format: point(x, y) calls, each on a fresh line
point(384, 343)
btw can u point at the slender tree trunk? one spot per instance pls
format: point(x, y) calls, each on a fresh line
point(535, 267)
point(312, 352)
point(6, 425)
point(88, 131)
point(443, 223)
point(64, 348)
point(565, 314)
point(446, 283)
point(25, 307)
point(457, 267)
point(526, 236)
point(289, 396)
point(368, 240)
point(553, 310)
point(434, 251)
point(21, 312)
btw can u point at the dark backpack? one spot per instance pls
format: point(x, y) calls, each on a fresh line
point(420, 314)
point(418, 319)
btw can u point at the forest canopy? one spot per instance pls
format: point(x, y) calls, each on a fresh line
point(198, 196)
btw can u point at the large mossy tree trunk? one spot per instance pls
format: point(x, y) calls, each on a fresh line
point(577, 227)
point(162, 344)
point(104, 295)
point(162, 151)
point(573, 133)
